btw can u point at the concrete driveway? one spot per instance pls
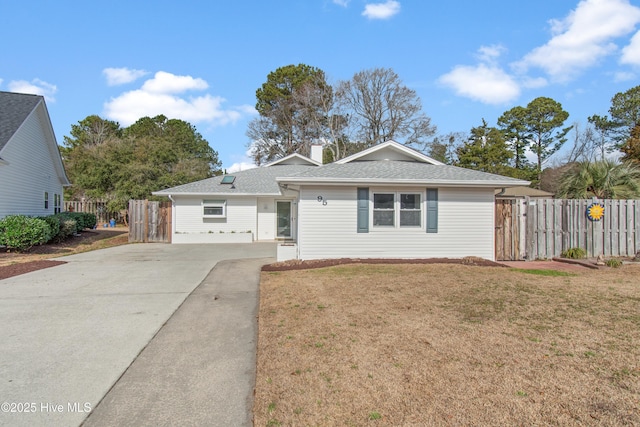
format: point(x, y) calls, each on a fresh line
point(70, 332)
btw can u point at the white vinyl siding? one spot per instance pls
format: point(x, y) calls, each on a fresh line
point(240, 216)
point(28, 171)
point(465, 226)
point(266, 219)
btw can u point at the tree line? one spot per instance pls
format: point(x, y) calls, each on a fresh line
point(297, 108)
point(106, 161)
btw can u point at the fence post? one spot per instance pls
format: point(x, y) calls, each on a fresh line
point(530, 234)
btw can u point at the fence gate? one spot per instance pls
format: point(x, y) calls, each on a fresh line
point(149, 221)
point(508, 228)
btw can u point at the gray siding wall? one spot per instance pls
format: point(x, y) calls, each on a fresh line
point(29, 173)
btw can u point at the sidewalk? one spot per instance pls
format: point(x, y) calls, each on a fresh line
point(199, 369)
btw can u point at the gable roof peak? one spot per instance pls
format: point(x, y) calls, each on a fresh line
point(294, 159)
point(14, 110)
point(390, 150)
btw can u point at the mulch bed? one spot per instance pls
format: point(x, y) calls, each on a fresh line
point(26, 267)
point(320, 263)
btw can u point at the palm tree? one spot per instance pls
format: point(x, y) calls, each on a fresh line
point(604, 179)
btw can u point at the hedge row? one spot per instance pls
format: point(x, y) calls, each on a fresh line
point(21, 232)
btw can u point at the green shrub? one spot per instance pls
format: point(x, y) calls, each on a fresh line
point(82, 219)
point(613, 263)
point(574, 253)
point(68, 227)
point(21, 232)
point(89, 220)
point(54, 226)
point(65, 228)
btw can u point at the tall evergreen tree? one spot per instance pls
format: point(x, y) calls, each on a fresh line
point(486, 151)
point(292, 104)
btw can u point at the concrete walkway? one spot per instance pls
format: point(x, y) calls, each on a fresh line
point(199, 370)
point(69, 332)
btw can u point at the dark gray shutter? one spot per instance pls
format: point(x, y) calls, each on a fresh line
point(432, 210)
point(363, 210)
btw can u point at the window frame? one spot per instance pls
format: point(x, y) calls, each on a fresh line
point(214, 203)
point(374, 210)
point(46, 200)
point(57, 203)
point(420, 210)
point(397, 209)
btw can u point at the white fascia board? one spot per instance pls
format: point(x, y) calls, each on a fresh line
point(291, 156)
point(414, 182)
point(394, 145)
point(198, 194)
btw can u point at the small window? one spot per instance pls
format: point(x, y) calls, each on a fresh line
point(410, 210)
point(384, 209)
point(46, 200)
point(57, 203)
point(214, 208)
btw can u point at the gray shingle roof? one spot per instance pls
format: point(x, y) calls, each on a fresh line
point(14, 109)
point(251, 181)
point(399, 172)
point(264, 180)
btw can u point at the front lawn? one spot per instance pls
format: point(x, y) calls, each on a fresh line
point(448, 345)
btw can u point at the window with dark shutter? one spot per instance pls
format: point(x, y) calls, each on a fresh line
point(432, 210)
point(363, 210)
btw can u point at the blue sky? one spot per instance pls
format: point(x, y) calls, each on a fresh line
point(202, 61)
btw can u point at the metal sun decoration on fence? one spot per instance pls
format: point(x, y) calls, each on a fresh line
point(595, 211)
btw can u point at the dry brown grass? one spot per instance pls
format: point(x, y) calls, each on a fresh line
point(89, 240)
point(455, 345)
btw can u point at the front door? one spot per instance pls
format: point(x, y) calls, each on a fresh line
point(283, 220)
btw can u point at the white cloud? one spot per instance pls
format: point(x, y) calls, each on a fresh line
point(160, 95)
point(242, 162)
point(631, 52)
point(241, 166)
point(120, 76)
point(381, 10)
point(164, 82)
point(485, 83)
point(581, 39)
point(489, 54)
point(35, 87)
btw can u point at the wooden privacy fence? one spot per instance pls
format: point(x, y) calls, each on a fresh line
point(544, 228)
point(96, 207)
point(149, 221)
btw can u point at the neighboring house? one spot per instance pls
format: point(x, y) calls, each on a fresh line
point(388, 201)
point(522, 193)
point(32, 176)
